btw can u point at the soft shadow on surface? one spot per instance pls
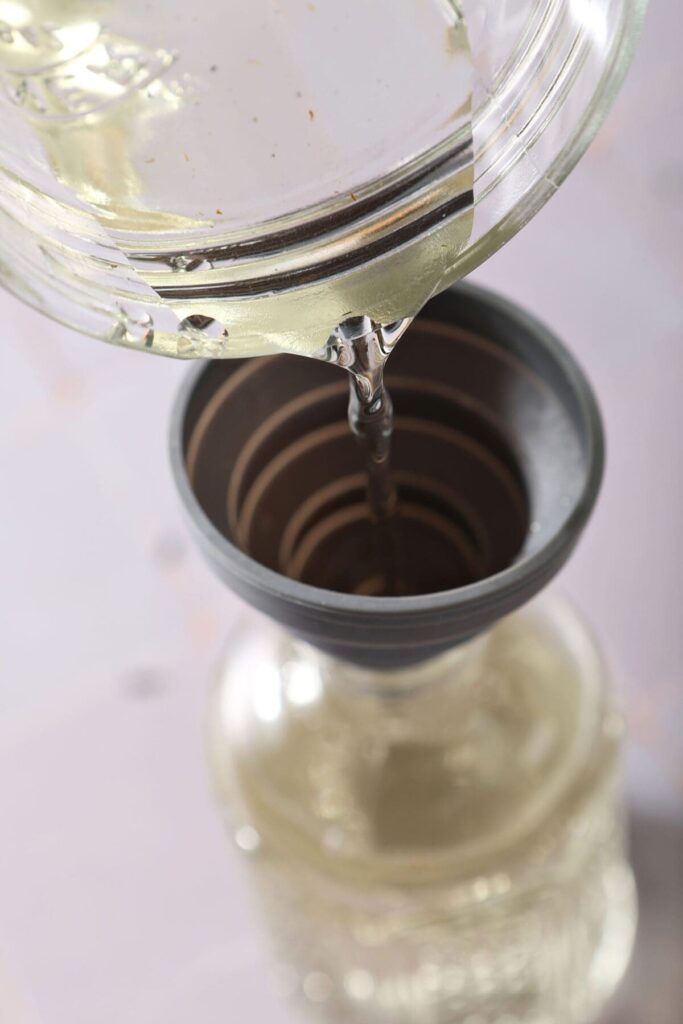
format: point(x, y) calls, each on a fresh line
point(652, 992)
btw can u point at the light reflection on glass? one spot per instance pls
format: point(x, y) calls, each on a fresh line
point(592, 19)
point(303, 683)
point(267, 693)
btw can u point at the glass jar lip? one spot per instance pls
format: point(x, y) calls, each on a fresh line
point(418, 195)
point(531, 201)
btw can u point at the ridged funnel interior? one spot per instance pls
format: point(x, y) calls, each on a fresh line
point(288, 487)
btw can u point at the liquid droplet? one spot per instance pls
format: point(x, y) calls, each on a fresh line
point(134, 328)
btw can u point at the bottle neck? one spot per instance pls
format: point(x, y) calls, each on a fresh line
point(457, 668)
point(425, 700)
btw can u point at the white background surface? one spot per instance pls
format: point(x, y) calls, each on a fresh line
point(120, 899)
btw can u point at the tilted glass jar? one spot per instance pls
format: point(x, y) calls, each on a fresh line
point(222, 179)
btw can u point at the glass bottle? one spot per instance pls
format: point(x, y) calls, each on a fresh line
point(442, 843)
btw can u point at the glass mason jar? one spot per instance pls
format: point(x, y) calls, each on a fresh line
point(442, 843)
point(222, 178)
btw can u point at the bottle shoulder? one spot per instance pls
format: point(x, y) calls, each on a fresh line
point(499, 751)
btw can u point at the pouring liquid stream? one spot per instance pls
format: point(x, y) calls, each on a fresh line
point(362, 347)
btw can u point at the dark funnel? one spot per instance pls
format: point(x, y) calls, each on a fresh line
point(497, 456)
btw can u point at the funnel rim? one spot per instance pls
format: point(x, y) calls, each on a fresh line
point(499, 589)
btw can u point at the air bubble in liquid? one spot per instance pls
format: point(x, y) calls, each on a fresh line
point(202, 335)
point(183, 264)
